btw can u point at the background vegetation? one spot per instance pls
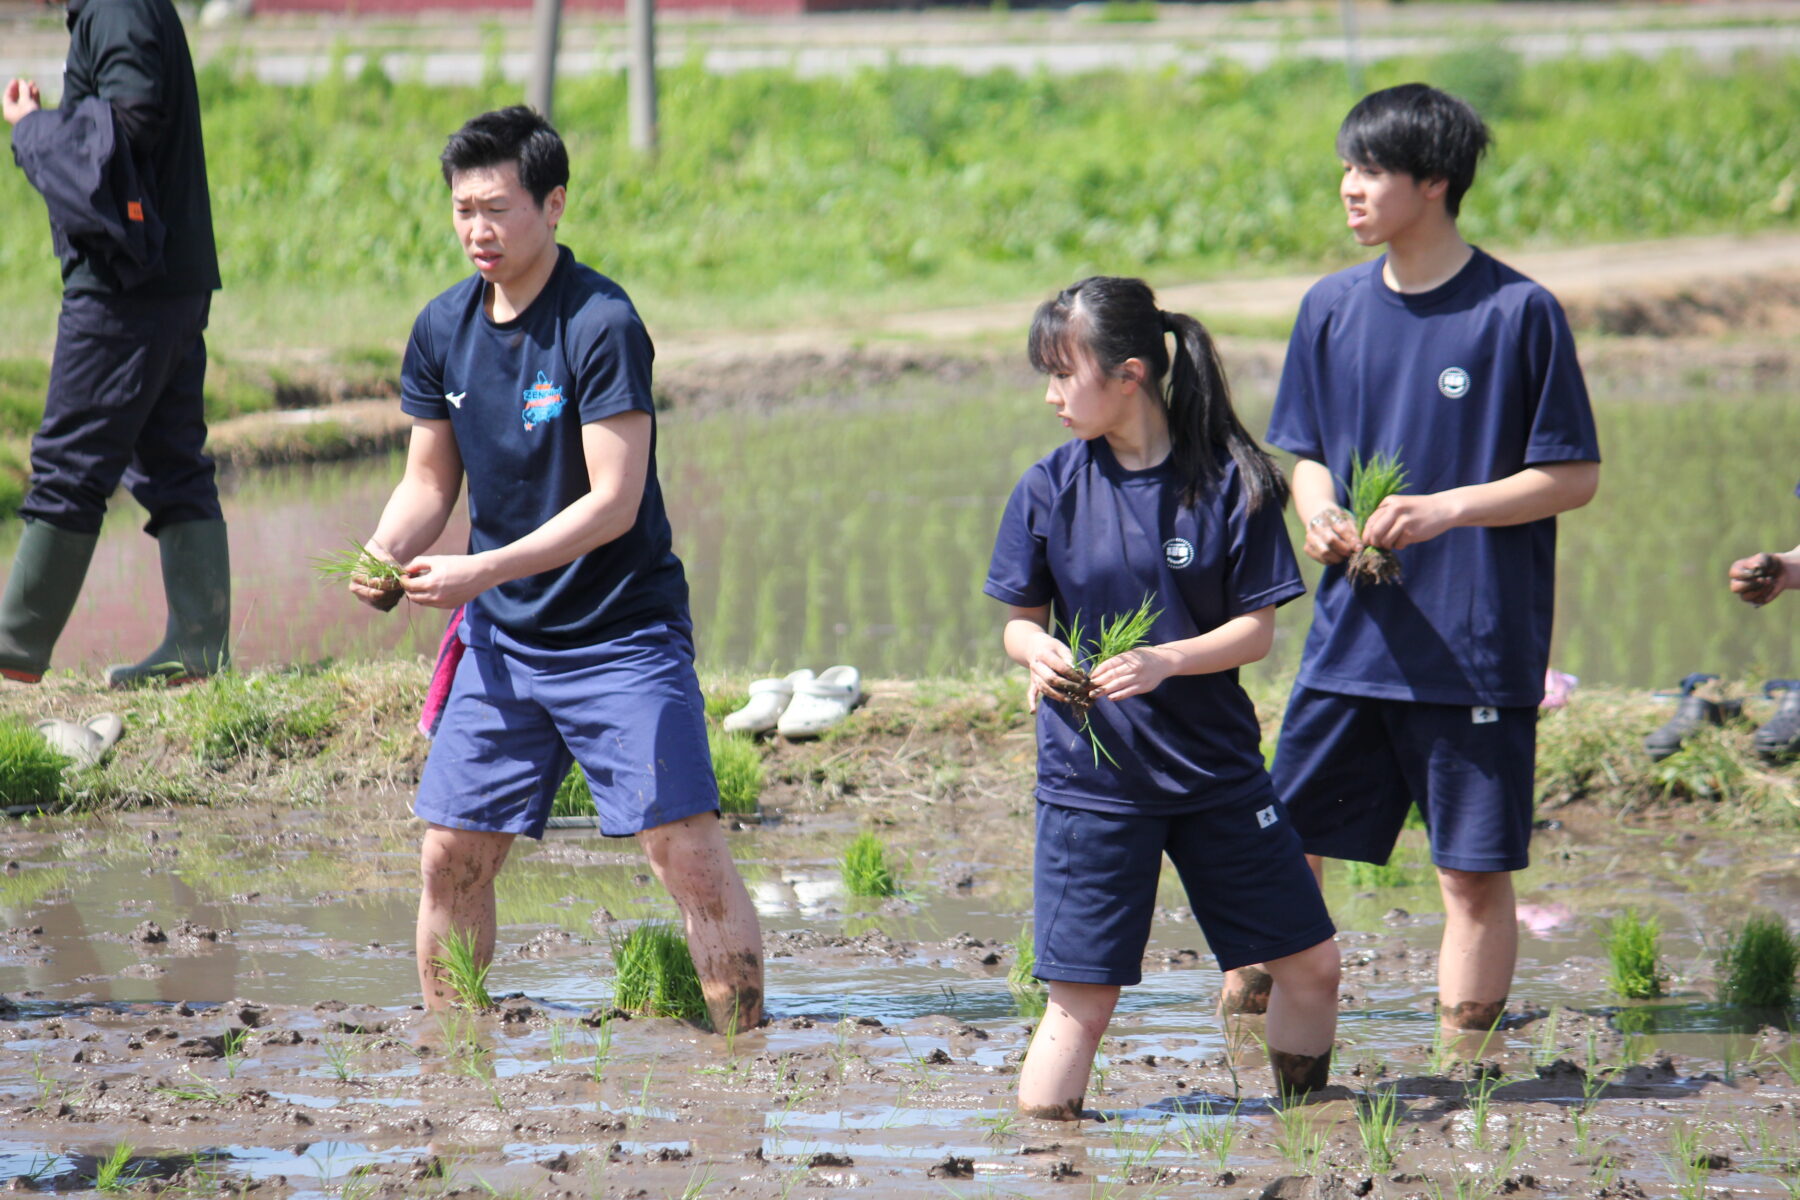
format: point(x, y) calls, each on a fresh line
point(779, 198)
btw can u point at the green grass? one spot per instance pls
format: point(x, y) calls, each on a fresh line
point(30, 771)
point(653, 974)
point(865, 868)
point(738, 764)
point(1756, 964)
point(1632, 950)
point(466, 976)
point(236, 714)
point(776, 197)
point(1362, 876)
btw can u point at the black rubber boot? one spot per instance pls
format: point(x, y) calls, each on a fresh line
point(196, 571)
point(1778, 738)
point(1691, 713)
point(47, 574)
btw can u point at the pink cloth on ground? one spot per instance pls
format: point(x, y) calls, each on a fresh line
point(450, 652)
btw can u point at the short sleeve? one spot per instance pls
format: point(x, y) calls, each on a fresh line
point(612, 358)
point(422, 375)
point(1562, 421)
point(1294, 421)
point(1019, 572)
point(1261, 569)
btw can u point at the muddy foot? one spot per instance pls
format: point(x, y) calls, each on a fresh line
point(1299, 1075)
point(1068, 1110)
point(1479, 1016)
point(1246, 991)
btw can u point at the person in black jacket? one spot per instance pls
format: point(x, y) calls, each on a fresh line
point(125, 396)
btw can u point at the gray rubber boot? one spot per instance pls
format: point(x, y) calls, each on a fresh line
point(47, 574)
point(196, 571)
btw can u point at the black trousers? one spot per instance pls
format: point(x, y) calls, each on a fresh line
point(126, 404)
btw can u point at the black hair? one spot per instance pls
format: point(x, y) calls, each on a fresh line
point(1114, 319)
point(1417, 129)
point(510, 135)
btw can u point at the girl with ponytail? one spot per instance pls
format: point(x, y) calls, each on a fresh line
point(1164, 502)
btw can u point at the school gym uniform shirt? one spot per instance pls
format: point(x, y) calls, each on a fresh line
point(1090, 538)
point(516, 394)
point(1466, 384)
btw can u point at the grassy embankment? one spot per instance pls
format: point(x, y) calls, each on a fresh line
point(779, 200)
point(318, 736)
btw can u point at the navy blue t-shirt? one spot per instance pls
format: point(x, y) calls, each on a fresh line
point(516, 394)
point(1468, 383)
point(1090, 538)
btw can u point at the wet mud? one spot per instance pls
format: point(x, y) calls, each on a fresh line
point(230, 994)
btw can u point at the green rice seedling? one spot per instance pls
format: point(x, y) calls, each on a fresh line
point(1378, 1125)
point(738, 765)
point(654, 974)
point(1757, 963)
point(1299, 1137)
point(30, 771)
point(1686, 1163)
point(1018, 976)
point(603, 1038)
point(355, 562)
point(1119, 633)
point(194, 1090)
point(1543, 1052)
point(698, 1182)
point(340, 1055)
point(1212, 1138)
point(865, 868)
point(109, 1175)
point(234, 1044)
point(559, 1043)
point(1371, 482)
point(999, 1125)
point(573, 799)
point(1480, 1097)
point(456, 959)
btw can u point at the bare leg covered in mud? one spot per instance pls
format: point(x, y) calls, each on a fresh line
point(1302, 1019)
point(1246, 989)
point(1481, 946)
point(691, 860)
point(1053, 1080)
point(456, 870)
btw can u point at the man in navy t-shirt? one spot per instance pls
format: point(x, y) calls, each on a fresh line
point(1425, 691)
point(531, 379)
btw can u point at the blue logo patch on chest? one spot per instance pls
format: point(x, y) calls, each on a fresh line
point(543, 400)
point(1178, 552)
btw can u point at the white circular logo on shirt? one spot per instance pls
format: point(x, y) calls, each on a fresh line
point(1178, 551)
point(1454, 383)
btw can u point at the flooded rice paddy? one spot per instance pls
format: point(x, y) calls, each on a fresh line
point(856, 528)
point(229, 995)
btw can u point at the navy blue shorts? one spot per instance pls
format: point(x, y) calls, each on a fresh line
point(628, 710)
point(1350, 766)
point(1094, 888)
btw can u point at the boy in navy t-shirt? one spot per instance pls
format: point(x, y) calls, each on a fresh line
point(1426, 691)
point(531, 379)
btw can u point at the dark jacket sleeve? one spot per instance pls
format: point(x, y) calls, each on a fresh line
point(79, 162)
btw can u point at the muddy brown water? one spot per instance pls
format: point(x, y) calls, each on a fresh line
point(889, 1063)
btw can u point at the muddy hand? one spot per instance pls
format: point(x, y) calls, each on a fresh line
point(1331, 536)
point(1052, 672)
point(1132, 673)
point(1756, 580)
point(379, 594)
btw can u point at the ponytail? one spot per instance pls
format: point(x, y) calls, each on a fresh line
point(1115, 319)
point(1201, 419)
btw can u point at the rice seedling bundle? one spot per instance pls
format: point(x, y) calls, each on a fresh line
point(865, 868)
point(653, 973)
point(1371, 482)
point(1119, 634)
point(1757, 963)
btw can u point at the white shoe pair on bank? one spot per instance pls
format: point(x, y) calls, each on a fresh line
point(799, 705)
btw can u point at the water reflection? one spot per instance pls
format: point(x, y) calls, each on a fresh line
point(857, 529)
